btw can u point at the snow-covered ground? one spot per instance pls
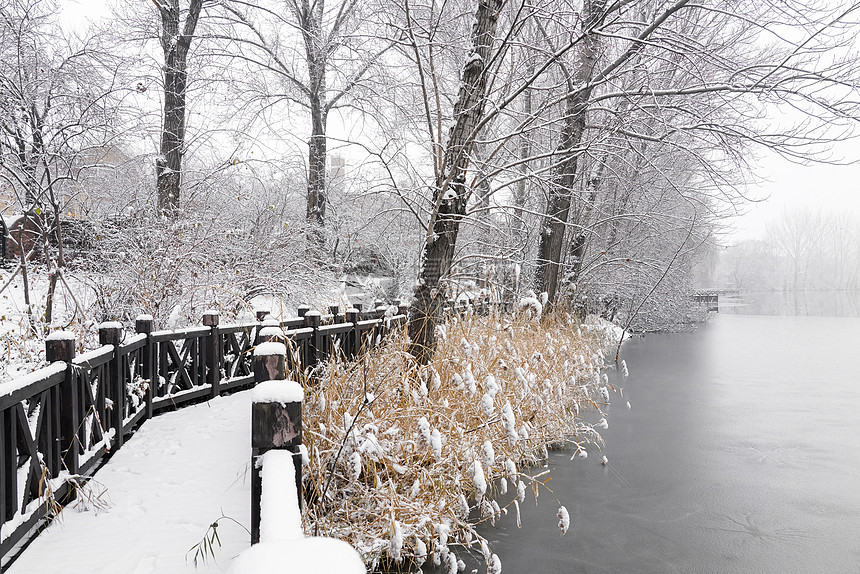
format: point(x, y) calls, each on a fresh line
point(167, 485)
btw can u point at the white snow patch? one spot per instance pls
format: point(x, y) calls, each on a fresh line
point(280, 517)
point(270, 348)
point(316, 555)
point(282, 392)
point(61, 336)
point(272, 331)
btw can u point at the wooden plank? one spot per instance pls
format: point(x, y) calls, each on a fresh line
point(236, 382)
point(22, 388)
point(300, 334)
point(132, 421)
point(194, 352)
point(133, 344)
point(89, 408)
point(13, 545)
point(237, 327)
point(179, 363)
point(335, 329)
point(8, 465)
point(56, 456)
point(100, 406)
point(293, 323)
point(176, 401)
point(34, 472)
point(179, 335)
point(94, 358)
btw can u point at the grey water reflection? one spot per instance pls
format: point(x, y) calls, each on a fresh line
point(741, 453)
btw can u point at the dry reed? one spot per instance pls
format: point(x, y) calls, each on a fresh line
point(403, 461)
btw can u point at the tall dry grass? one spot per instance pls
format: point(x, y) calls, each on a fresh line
point(405, 461)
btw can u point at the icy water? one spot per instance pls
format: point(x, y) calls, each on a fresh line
point(740, 454)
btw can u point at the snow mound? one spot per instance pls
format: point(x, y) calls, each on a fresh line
point(61, 336)
point(315, 555)
point(270, 348)
point(277, 392)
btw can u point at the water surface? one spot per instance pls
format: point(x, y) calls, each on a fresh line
point(740, 454)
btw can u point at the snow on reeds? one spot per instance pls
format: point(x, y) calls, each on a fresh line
point(405, 461)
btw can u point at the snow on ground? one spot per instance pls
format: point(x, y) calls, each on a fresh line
point(169, 482)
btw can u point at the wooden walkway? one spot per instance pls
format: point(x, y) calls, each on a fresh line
point(169, 482)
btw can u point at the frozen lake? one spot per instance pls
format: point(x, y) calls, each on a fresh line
point(741, 454)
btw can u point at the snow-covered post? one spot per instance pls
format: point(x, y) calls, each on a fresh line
point(302, 310)
point(402, 307)
point(110, 333)
point(271, 330)
point(270, 362)
point(336, 317)
point(313, 319)
point(276, 421)
point(261, 318)
point(211, 319)
point(352, 339)
point(60, 346)
point(143, 324)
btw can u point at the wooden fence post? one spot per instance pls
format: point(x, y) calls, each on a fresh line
point(353, 338)
point(268, 365)
point(276, 420)
point(313, 319)
point(336, 317)
point(302, 310)
point(110, 333)
point(60, 346)
point(211, 319)
point(143, 324)
point(261, 317)
point(271, 330)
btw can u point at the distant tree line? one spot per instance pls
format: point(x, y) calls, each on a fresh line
point(803, 249)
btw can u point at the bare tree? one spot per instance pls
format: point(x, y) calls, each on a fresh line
point(302, 52)
point(60, 104)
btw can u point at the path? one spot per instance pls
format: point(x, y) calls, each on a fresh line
point(172, 479)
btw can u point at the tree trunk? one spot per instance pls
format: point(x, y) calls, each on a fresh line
point(168, 166)
point(310, 16)
point(175, 44)
point(450, 194)
point(317, 197)
point(564, 178)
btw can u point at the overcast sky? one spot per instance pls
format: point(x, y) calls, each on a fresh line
point(830, 188)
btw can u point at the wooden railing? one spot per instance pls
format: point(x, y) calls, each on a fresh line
point(60, 422)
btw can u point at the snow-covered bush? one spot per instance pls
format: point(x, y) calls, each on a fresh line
point(174, 269)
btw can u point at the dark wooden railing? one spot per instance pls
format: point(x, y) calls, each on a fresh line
point(59, 423)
